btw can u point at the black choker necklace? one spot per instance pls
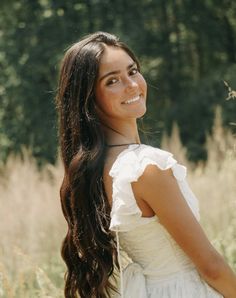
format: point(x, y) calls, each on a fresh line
point(122, 144)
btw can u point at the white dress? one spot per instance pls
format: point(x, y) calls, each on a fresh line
point(159, 268)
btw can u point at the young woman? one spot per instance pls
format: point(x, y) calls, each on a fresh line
point(117, 191)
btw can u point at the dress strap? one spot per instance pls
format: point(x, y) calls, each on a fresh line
point(120, 265)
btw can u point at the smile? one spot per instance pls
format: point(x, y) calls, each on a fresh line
point(134, 99)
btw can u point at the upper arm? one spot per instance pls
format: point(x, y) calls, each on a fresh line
point(160, 190)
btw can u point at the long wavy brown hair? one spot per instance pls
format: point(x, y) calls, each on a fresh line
point(89, 248)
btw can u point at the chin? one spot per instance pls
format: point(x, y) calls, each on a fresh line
point(141, 113)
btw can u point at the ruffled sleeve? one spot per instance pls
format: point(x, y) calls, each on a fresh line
point(128, 167)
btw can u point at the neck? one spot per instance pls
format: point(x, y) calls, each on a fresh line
point(121, 133)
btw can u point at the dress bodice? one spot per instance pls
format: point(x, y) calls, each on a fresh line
point(155, 250)
point(157, 258)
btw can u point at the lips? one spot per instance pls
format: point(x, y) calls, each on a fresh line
point(131, 100)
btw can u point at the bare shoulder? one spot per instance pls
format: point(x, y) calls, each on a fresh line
point(153, 179)
point(160, 190)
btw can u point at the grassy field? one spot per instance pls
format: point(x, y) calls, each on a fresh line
point(32, 226)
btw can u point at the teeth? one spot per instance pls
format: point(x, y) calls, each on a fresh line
point(132, 100)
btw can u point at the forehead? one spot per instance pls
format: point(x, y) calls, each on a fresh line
point(114, 59)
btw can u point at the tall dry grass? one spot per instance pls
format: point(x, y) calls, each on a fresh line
point(32, 225)
point(214, 183)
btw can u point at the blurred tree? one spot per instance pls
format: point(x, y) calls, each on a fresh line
point(186, 48)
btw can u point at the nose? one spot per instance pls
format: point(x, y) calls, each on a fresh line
point(131, 84)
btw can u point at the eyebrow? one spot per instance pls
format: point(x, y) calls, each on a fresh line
point(116, 71)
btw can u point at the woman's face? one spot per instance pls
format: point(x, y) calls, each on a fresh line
point(120, 89)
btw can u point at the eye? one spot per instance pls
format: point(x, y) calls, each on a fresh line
point(111, 81)
point(133, 71)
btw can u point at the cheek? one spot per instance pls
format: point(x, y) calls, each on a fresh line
point(142, 84)
point(103, 101)
point(108, 96)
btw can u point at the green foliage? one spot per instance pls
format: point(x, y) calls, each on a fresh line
point(187, 49)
